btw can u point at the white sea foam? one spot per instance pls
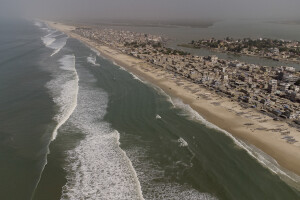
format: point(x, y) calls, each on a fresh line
point(122, 68)
point(137, 78)
point(38, 24)
point(43, 26)
point(48, 40)
point(182, 142)
point(51, 41)
point(58, 44)
point(95, 51)
point(162, 92)
point(97, 168)
point(132, 74)
point(92, 60)
point(265, 160)
point(153, 180)
point(64, 88)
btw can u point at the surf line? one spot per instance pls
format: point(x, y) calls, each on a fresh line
point(65, 117)
point(72, 108)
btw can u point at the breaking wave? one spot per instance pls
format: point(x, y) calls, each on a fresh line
point(264, 159)
point(64, 88)
point(38, 24)
point(182, 142)
point(97, 167)
point(53, 39)
point(95, 51)
point(137, 78)
point(132, 74)
point(57, 45)
point(92, 60)
point(150, 173)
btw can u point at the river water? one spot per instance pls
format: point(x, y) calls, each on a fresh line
point(234, 28)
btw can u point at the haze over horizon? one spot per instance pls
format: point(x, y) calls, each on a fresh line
point(152, 10)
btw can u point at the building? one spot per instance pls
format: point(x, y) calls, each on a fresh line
point(272, 86)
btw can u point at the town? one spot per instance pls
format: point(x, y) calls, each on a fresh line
point(273, 49)
point(274, 91)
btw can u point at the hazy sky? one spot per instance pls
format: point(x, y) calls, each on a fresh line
point(152, 9)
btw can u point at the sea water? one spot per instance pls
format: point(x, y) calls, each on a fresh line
point(77, 126)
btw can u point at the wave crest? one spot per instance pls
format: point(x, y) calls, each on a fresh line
point(64, 89)
point(97, 167)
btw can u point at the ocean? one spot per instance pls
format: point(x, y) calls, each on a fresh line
point(75, 125)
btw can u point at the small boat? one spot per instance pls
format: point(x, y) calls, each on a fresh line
point(158, 117)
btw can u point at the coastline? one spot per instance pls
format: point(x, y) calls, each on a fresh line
point(220, 111)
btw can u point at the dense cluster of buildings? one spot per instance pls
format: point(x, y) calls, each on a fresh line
point(275, 49)
point(275, 91)
point(117, 38)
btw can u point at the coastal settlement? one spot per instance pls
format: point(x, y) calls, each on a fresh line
point(274, 91)
point(279, 50)
point(252, 125)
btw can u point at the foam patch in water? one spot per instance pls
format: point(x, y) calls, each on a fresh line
point(98, 168)
point(182, 142)
point(50, 40)
point(150, 176)
point(264, 159)
point(92, 60)
point(64, 89)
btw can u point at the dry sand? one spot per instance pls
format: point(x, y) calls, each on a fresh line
point(246, 124)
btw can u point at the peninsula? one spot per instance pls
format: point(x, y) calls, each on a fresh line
point(279, 50)
point(257, 104)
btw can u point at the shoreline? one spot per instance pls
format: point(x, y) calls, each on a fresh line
point(220, 111)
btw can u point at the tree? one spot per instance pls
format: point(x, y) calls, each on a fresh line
point(283, 49)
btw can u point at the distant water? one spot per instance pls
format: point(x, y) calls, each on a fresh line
point(26, 108)
point(222, 29)
point(99, 125)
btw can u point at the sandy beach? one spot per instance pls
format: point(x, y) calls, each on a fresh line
point(247, 125)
